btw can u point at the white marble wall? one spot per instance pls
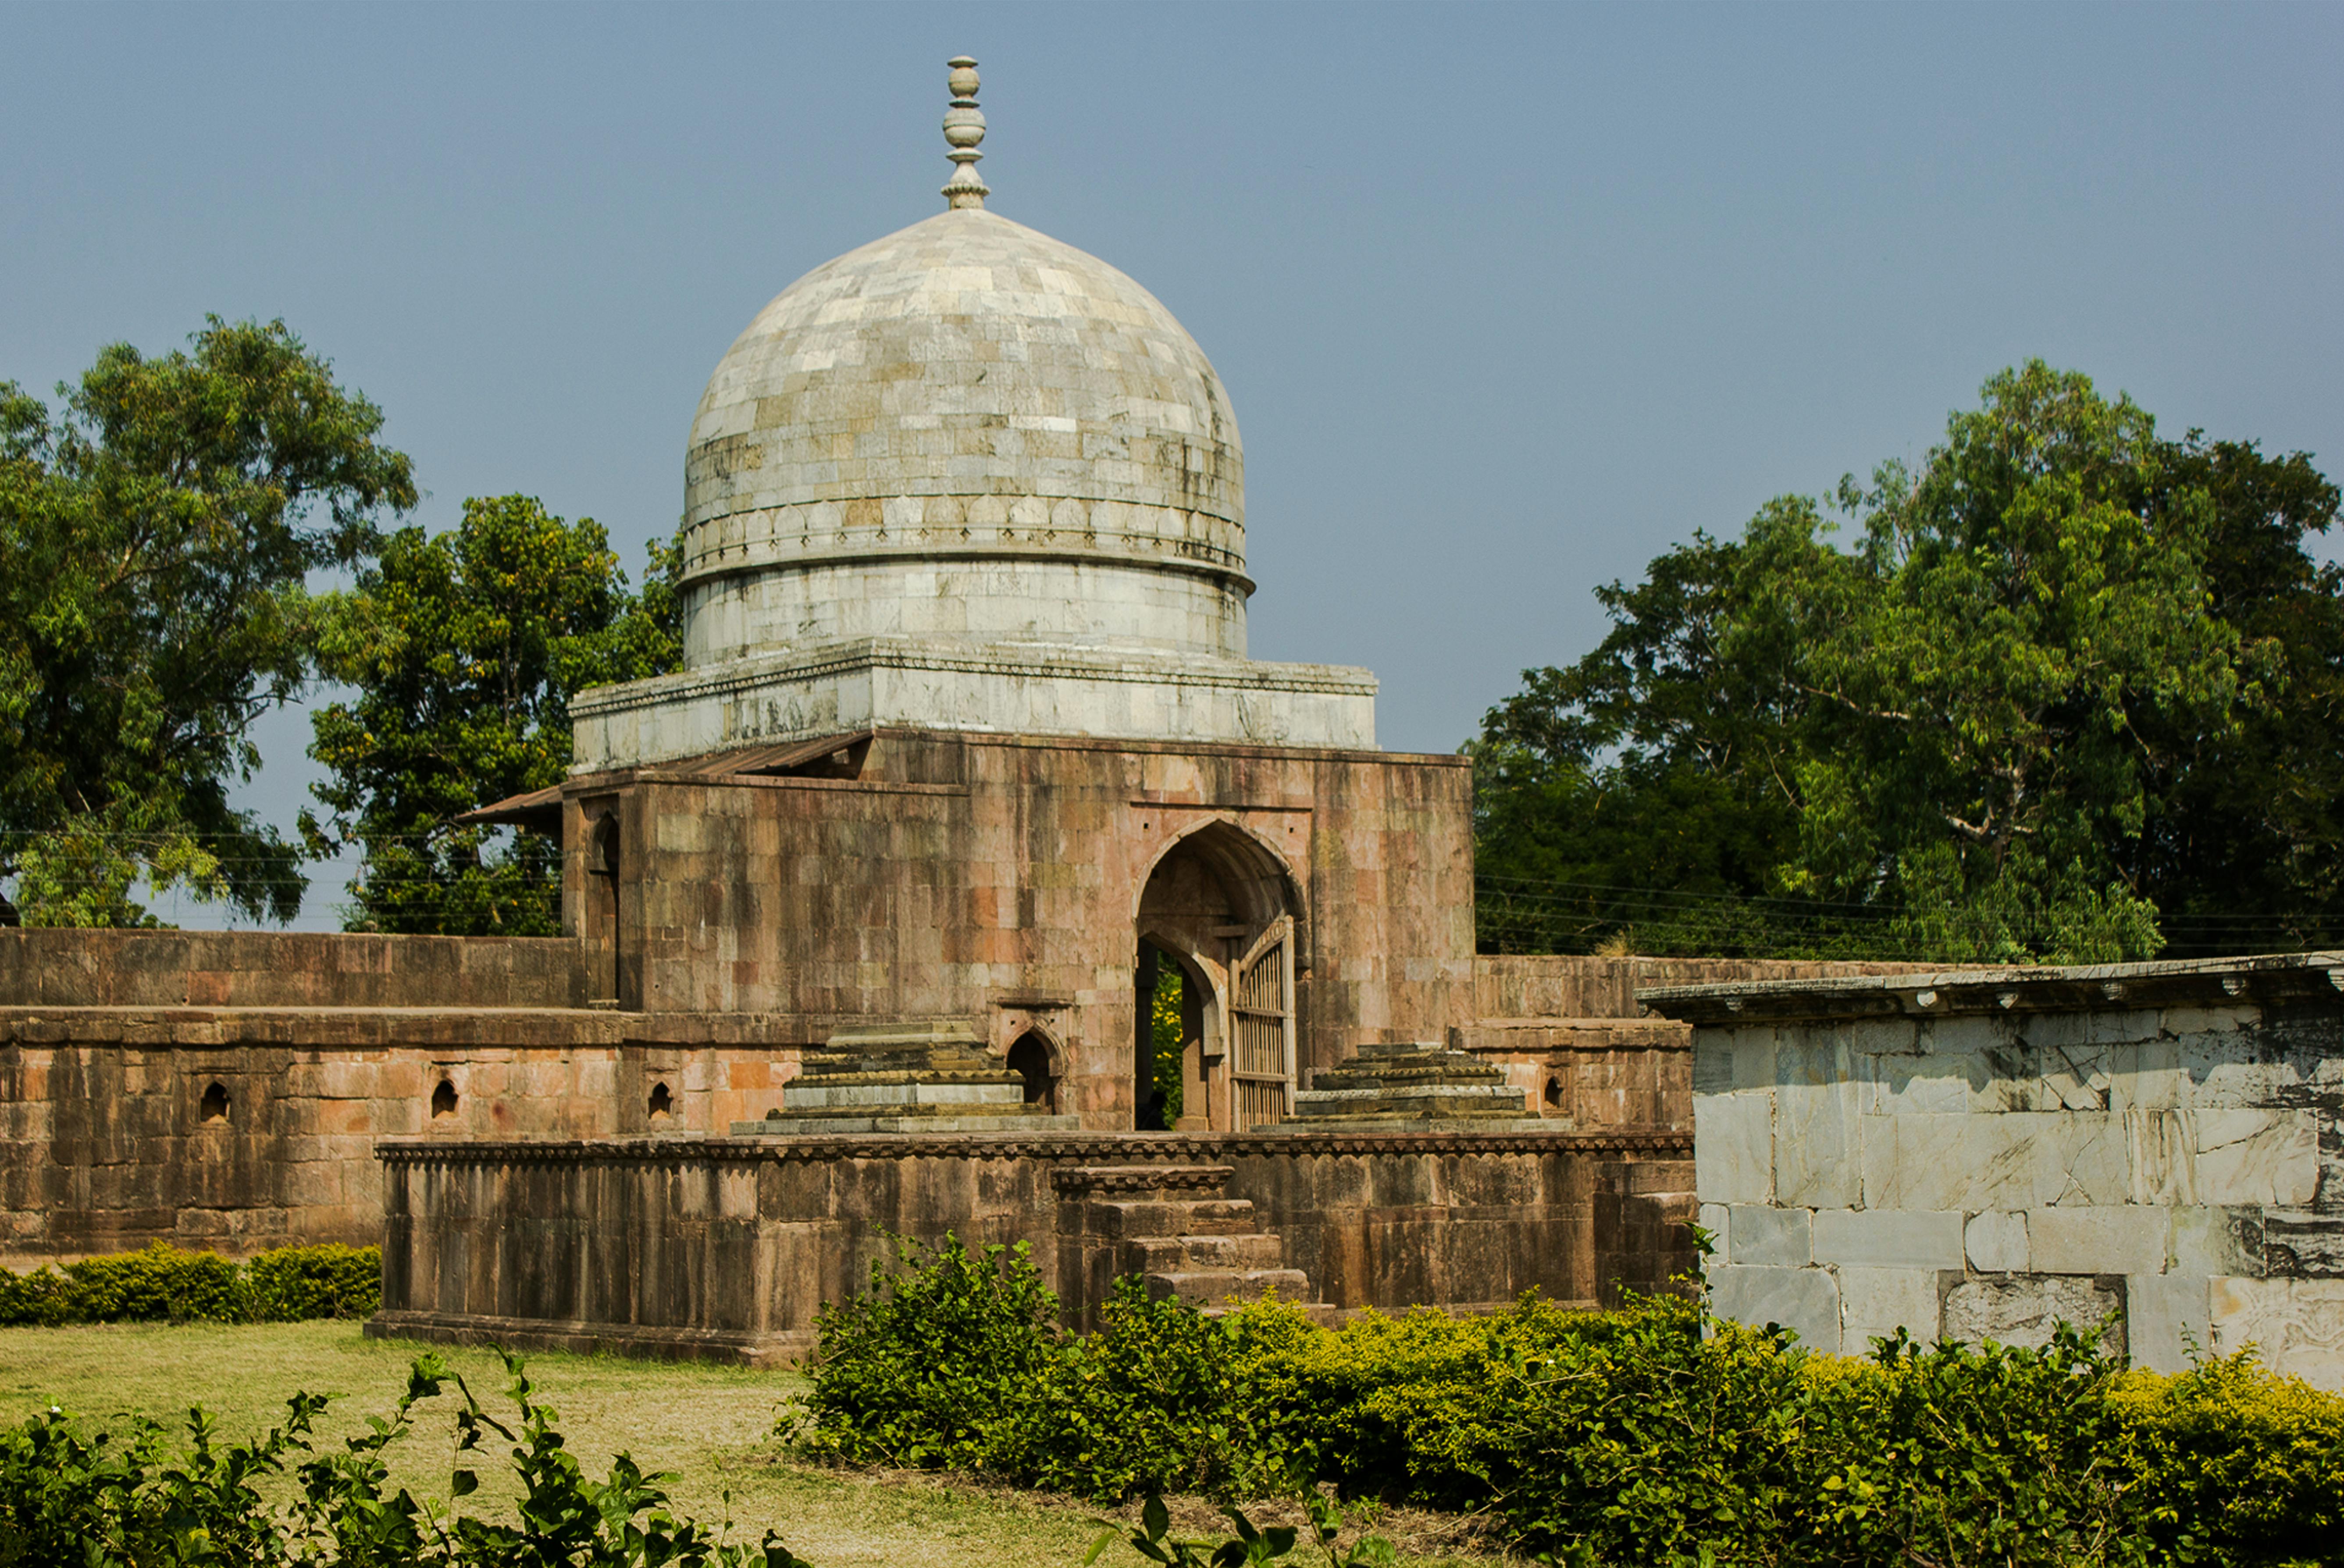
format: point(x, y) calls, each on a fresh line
point(1981, 1176)
point(1099, 602)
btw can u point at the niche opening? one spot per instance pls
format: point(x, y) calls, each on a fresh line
point(1029, 1059)
point(443, 1099)
point(662, 1103)
point(215, 1103)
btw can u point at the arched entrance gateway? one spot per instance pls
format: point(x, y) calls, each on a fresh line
point(1222, 909)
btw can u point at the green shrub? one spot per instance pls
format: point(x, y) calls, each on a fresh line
point(293, 1284)
point(923, 1368)
point(1161, 1398)
point(2251, 1463)
point(163, 1283)
point(1652, 1435)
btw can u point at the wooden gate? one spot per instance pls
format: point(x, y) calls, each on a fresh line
point(1261, 1030)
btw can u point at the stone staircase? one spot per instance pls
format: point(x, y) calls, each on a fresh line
point(929, 1076)
point(1175, 1228)
point(1409, 1087)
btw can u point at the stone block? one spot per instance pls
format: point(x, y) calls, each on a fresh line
point(1758, 1233)
point(1908, 1085)
point(1977, 1163)
point(2209, 1241)
point(2223, 1157)
point(1889, 1238)
point(1995, 1242)
point(1815, 1163)
point(2164, 1314)
point(1876, 1302)
point(2298, 1241)
point(1733, 1148)
point(2021, 1310)
point(2297, 1325)
point(1805, 1301)
point(2114, 1238)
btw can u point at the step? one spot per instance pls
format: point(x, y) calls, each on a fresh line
point(1213, 1287)
point(1169, 1217)
point(1155, 1253)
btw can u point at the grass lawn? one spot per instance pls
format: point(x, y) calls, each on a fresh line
point(710, 1424)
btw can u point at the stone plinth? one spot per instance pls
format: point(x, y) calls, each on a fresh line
point(728, 1247)
point(905, 1078)
point(1415, 1086)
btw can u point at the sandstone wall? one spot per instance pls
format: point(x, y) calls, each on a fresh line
point(1001, 879)
point(245, 1130)
point(726, 1247)
point(68, 969)
point(1570, 1034)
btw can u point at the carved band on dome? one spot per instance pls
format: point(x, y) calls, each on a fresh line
point(759, 538)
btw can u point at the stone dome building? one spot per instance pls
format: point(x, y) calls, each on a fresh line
point(967, 477)
point(966, 430)
point(867, 910)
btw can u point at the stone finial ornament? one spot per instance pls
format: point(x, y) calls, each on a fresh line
point(964, 128)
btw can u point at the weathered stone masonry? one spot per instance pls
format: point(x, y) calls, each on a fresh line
point(1981, 1154)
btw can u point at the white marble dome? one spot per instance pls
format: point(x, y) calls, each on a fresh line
point(966, 430)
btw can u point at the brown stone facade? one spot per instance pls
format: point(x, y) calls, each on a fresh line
point(105, 1064)
point(726, 1248)
point(1011, 880)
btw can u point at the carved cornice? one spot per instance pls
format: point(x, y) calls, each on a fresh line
point(2285, 978)
point(1140, 1178)
point(1088, 1149)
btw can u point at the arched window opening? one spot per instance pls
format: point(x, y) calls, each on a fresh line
point(1554, 1094)
point(662, 1103)
point(443, 1099)
point(1220, 929)
point(1165, 1100)
point(1029, 1059)
point(215, 1103)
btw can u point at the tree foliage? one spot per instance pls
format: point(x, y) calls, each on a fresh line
point(2072, 691)
point(465, 648)
point(156, 535)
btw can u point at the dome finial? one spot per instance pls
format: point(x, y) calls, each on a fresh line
point(964, 128)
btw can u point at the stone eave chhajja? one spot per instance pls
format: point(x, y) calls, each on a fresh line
point(1945, 993)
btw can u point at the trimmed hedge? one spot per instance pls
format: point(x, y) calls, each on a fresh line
point(1654, 1435)
point(166, 1284)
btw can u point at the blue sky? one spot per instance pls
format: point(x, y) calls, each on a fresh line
point(1509, 300)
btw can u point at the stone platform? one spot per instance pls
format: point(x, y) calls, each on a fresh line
point(892, 1078)
point(726, 1248)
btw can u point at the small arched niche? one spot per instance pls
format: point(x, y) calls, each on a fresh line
point(662, 1103)
point(1029, 1059)
point(443, 1099)
point(214, 1105)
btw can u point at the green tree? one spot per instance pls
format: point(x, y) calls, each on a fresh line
point(156, 535)
point(465, 648)
point(2244, 845)
point(1951, 742)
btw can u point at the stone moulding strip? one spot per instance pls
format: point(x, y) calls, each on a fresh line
point(745, 1346)
point(855, 551)
point(1087, 1148)
point(1139, 1177)
point(905, 654)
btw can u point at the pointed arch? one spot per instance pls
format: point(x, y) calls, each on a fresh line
point(1219, 901)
